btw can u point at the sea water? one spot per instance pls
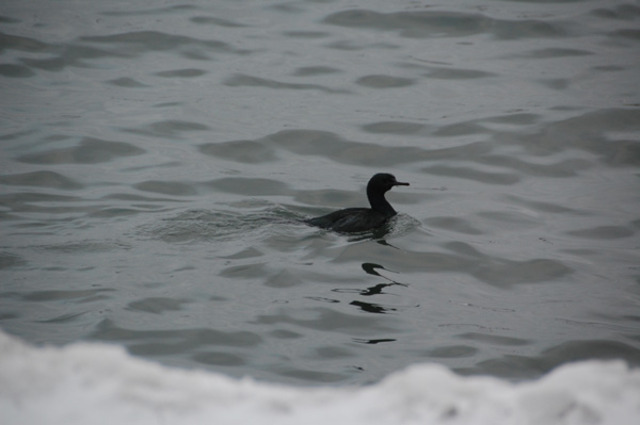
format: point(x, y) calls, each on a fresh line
point(157, 158)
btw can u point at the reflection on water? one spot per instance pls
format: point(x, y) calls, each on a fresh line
point(377, 289)
point(157, 164)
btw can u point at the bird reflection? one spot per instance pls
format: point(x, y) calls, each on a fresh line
point(371, 308)
point(375, 290)
point(372, 269)
point(373, 341)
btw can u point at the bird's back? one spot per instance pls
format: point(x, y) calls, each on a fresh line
point(350, 220)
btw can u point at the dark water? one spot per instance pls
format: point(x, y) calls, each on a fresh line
point(157, 157)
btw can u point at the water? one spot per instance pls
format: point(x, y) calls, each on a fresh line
point(157, 159)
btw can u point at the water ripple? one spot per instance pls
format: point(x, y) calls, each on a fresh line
point(426, 24)
point(88, 151)
point(141, 42)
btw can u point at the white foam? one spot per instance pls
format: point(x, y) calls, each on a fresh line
point(101, 384)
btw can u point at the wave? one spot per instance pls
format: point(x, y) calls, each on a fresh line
point(96, 383)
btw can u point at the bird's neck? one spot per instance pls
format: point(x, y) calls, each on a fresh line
point(380, 204)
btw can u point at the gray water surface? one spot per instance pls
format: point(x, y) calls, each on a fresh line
point(157, 160)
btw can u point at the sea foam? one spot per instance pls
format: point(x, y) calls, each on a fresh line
point(91, 383)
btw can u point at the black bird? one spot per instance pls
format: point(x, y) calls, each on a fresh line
point(362, 219)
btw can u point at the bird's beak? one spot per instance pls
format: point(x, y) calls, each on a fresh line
point(401, 184)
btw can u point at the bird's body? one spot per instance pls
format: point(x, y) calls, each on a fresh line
point(351, 220)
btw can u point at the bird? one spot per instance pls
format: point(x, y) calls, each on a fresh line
point(352, 220)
